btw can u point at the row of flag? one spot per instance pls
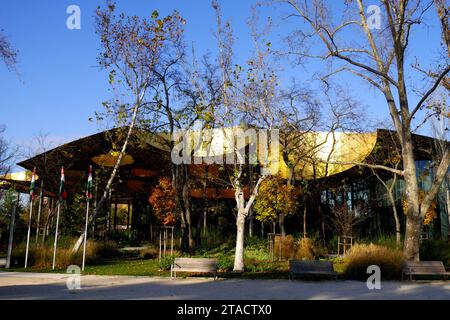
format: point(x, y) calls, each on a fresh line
point(62, 196)
point(62, 185)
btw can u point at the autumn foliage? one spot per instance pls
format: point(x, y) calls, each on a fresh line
point(163, 202)
point(431, 213)
point(275, 197)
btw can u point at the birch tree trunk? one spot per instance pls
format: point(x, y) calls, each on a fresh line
point(77, 245)
point(240, 227)
point(448, 211)
point(243, 209)
point(398, 233)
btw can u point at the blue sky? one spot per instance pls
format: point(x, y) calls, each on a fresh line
point(58, 85)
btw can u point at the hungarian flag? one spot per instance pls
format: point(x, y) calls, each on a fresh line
point(33, 183)
point(62, 188)
point(89, 184)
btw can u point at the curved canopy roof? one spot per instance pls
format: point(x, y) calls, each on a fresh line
point(316, 156)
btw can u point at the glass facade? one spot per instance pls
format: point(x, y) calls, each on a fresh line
point(373, 194)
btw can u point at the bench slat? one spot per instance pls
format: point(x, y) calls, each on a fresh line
point(311, 267)
point(194, 265)
point(424, 268)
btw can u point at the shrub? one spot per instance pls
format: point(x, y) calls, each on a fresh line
point(361, 256)
point(41, 257)
point(382, 240)
point(436, 250)
point(96, 251)
point(258, 266)
point(225, 263)
point(308, 250)
point(288, 247)
point(166, 263)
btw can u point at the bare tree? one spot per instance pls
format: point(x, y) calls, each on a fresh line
point(7, 53)
point(246, 100)
point(344, 220)
point(130, 50)
point(378, 56)
point(7, 153)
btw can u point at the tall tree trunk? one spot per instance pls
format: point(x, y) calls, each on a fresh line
point(304, 221)
point(398, 233)
point(412, 238)
point(262, 229)
point(281, 225)
point(77, 245)
point(448, 211)
point(179, 174)
point(243, 209)
point(184, 238)
point(187, 209)
point(250, 225)
point(416, 212)
point(413, 219)
point(239, 256)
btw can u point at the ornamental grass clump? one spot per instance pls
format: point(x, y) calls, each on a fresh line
point(40, 256)
point(362, 255)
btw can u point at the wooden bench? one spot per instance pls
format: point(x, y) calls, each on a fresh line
point(424, 268)
point(311, 267)
point(193, 265)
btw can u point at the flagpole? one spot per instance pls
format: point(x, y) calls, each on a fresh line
point(85, 233)
point(33, 179)
point(11, 231)
point(29, 230)
point(41, 194)
point(56, 235)
point(88, 197)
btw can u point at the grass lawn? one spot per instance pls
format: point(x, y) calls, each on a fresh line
point(137, 267)
point(144, 262)
point(150, 267)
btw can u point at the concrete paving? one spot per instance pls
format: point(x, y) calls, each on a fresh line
point(27, 285)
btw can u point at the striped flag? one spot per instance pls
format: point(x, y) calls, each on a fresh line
point(89, 184)
point(62, 187)
point(33, 183)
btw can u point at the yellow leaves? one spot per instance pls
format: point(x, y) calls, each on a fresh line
point(112, 74)
point(275, 197)
point(430, 215)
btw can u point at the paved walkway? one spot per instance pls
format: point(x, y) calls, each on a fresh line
point(15, 285)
